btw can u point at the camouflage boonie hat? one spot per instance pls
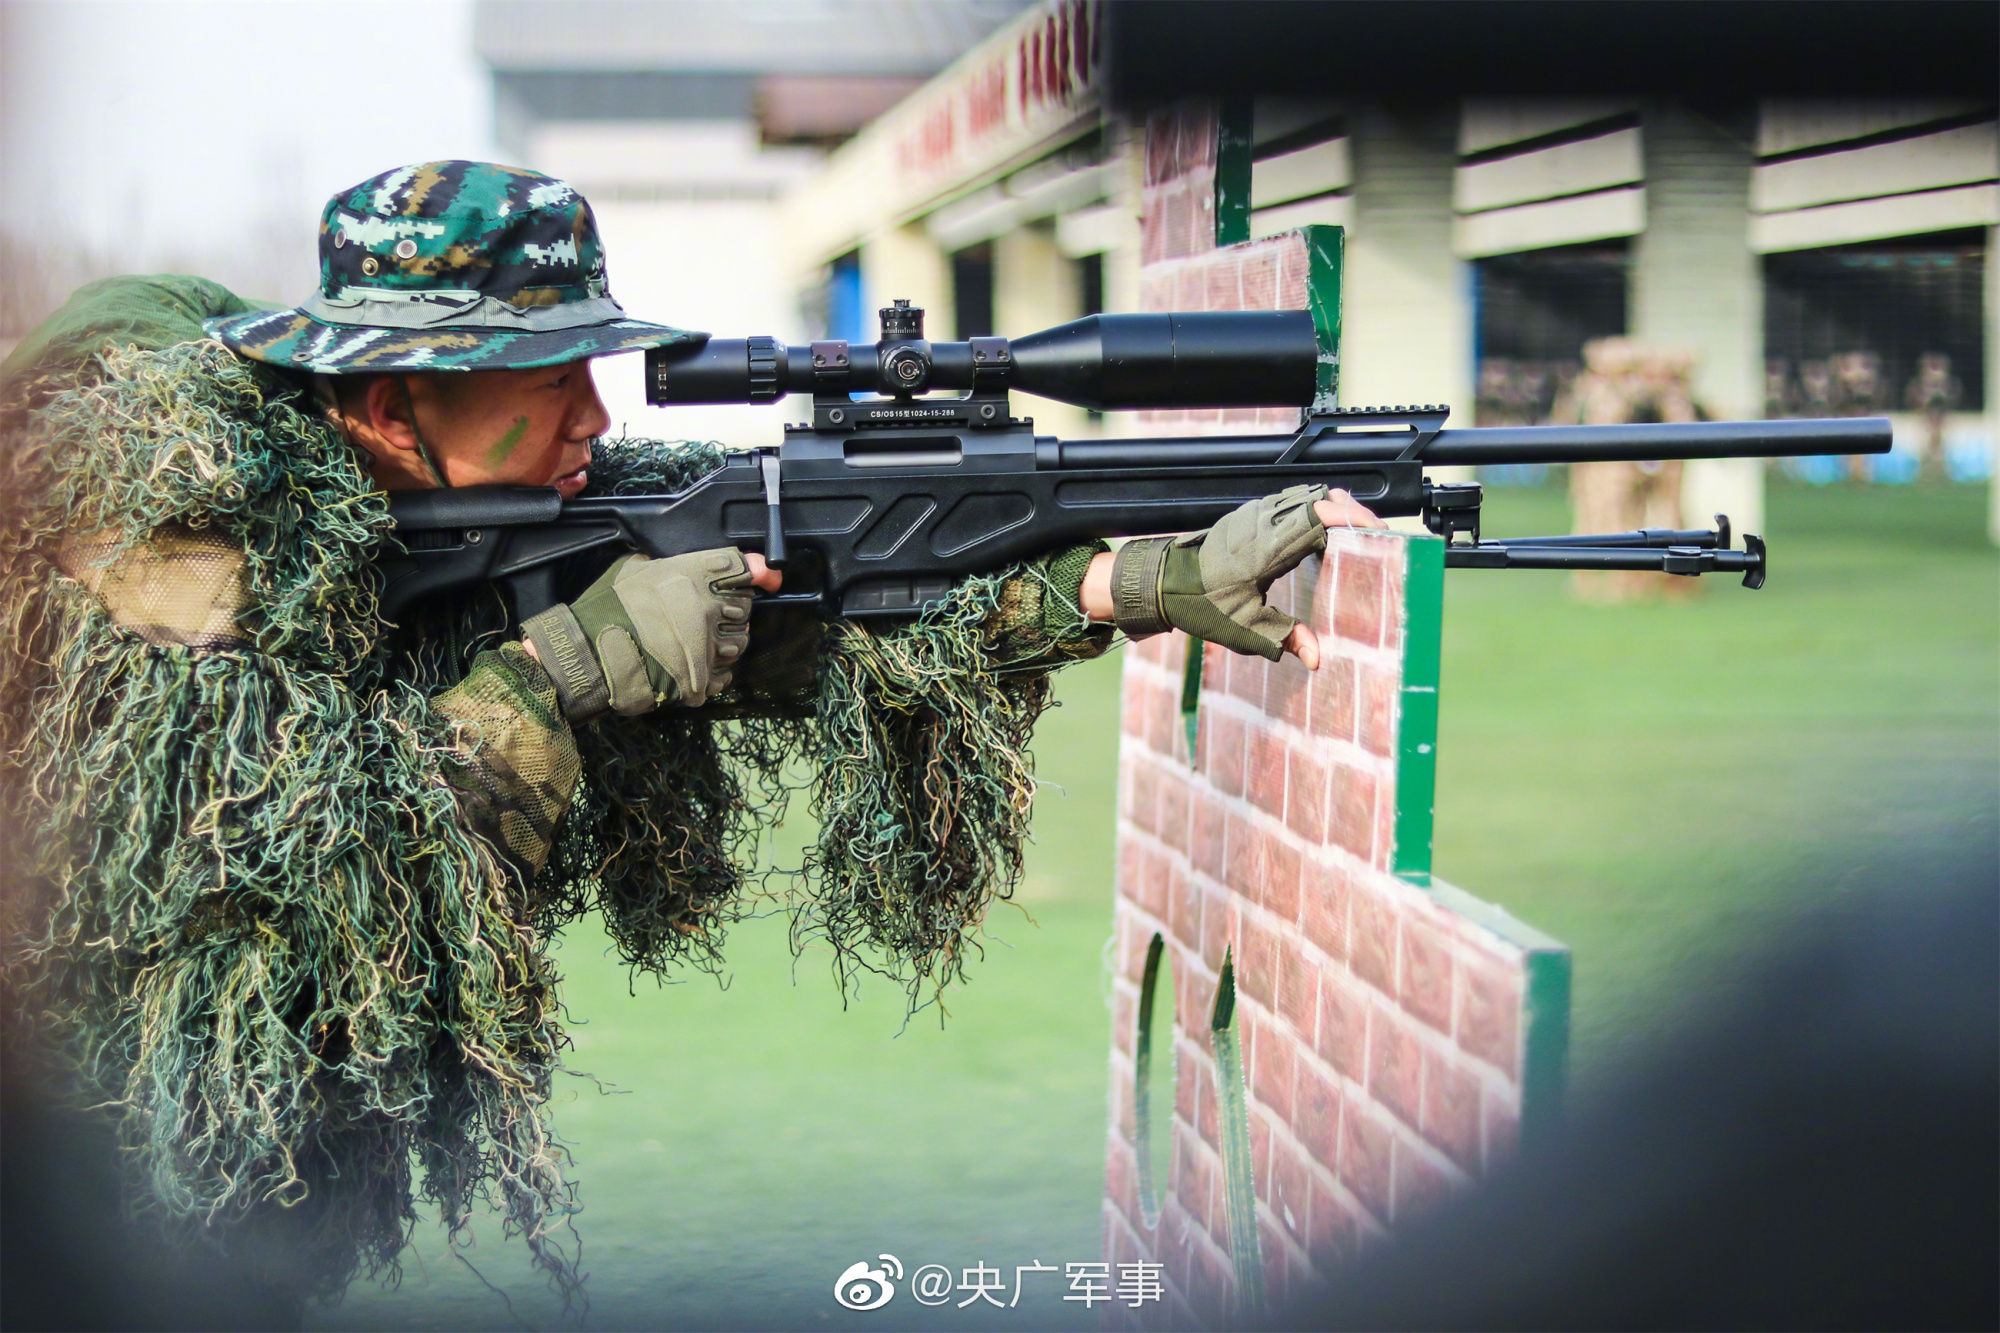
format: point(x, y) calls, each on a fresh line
point(450, 266)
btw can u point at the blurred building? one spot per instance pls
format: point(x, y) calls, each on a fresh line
point(136, 138)
point(683, 121)
point(1820, 254)
point(999, 197)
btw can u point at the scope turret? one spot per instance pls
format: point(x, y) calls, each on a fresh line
point(1265, 358)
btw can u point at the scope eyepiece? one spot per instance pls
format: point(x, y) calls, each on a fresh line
point(1263, 358)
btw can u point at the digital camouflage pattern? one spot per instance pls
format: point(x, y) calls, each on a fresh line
point(450, 266)
point(512, 758)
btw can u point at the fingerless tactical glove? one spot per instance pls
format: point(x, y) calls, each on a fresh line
point(649, 632)
point(1212, 583)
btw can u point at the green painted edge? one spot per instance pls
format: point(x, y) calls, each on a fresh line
point(1545, 1003)
point(1191, 693)
point(1232, 171)
point(1417, 732)
point(1544, 1043)
point(1492, 917)
point(1240, 1184)
point(1326, 250)
point(1142, 1087)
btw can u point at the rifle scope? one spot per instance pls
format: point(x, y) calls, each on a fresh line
point(1265, 358)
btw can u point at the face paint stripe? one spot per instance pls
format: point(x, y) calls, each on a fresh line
point(503, 447)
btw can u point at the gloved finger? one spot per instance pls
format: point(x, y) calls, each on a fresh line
point(731, 586)
point(727, 570)
point(731, 639)
point(1341, 510)
point(1267, 622)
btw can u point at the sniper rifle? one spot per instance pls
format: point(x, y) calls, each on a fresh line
point(879, 504)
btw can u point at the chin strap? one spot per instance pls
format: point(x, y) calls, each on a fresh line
point(423, 449)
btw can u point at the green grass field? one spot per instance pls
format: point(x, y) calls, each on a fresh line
point(1662, 786)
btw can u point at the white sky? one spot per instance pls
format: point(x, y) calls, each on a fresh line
point(204, 135)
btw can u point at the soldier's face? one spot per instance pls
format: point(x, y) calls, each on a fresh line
point(513, 427)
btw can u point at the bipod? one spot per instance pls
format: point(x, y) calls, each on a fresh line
point(1452, 509)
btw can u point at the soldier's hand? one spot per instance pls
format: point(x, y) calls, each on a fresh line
point(1212, 584)
point(1338, 510)
point(651, 632)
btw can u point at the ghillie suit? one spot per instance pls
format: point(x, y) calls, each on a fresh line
point(285, 881)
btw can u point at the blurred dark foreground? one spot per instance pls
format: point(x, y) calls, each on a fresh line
point(1822, 1152)
point(69, 1259)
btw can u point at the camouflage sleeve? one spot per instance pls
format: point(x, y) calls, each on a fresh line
point(514, 763)
point(1039, 621)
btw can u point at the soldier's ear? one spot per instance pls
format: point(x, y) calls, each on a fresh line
point(343, 399)
point(383, 409)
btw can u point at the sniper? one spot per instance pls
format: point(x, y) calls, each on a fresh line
point(286, 875)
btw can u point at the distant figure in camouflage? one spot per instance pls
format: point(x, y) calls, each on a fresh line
point(1933, 393)
point(285, 876)
point(1624, 381)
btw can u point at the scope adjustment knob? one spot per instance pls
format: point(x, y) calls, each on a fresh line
point(902, 321)
point(763, 384)
point(905, 370)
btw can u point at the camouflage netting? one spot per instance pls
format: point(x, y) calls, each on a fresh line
point(247, 909)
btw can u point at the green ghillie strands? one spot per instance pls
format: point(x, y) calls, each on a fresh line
point(923, 788)
point(245, 906)
point(248, 909)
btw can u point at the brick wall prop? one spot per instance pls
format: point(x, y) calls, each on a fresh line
point(1352, 1040)
point(1395, 1034)
point(1177, 189)
point(1193, 212)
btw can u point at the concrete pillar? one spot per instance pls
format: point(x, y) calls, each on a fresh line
point(1993, 379)
point(905, 261)
point(1406, 307)
point(1035, 288)
point(1406, 320)
point(1695, 284)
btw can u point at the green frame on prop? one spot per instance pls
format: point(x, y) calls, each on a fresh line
point(1417, 727)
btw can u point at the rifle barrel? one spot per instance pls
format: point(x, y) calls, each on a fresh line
point(1504, 444)
point(1641, 443)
